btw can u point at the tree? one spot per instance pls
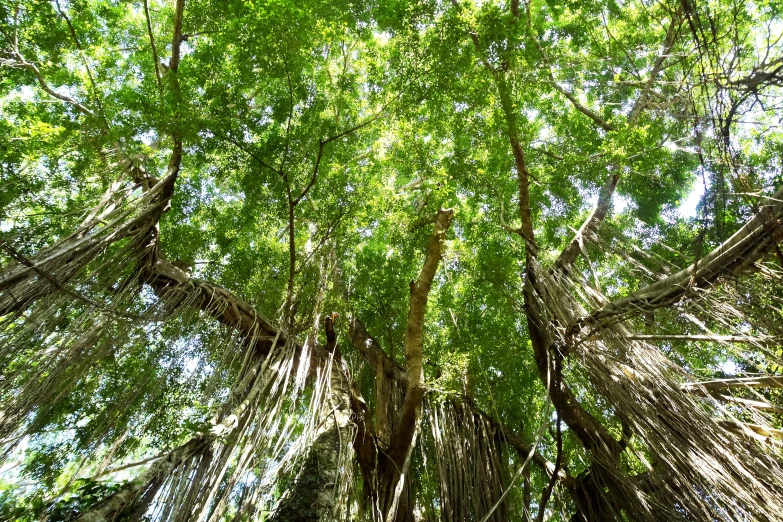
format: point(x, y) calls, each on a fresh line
point(390, 261)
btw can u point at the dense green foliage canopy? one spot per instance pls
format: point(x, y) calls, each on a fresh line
point(539, 223)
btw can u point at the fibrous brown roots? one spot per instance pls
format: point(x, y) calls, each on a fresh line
point(700, 471)
point(470, 464)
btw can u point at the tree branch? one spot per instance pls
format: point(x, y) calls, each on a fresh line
point(414, 340)
point(559, 88)
point(322, 143)
point(571, 252)
point(21, 62)
point(737, 253)
point(152, 44)
point(668, 43)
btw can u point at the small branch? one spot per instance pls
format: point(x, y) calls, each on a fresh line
point(128, 466)
point(571, 252)
point(288, 123)
point(84, 60)
point(506, 226)
point(578, 105)
point(152, 44)
point(668, 43)
point(177, 37)
point(364, 123)
point(322, 143)
point(314, 177)
point(252, 155)
point(559, 88)
point(21, 62)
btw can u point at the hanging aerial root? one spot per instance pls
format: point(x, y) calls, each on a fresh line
point(469, 464)
point(697, 469)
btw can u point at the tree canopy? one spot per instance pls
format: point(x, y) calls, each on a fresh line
point(391, 261)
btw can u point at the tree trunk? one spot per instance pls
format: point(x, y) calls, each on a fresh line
point(316, 492)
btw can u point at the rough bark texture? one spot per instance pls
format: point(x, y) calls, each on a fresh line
point(315, 491)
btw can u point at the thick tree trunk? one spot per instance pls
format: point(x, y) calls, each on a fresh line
point(315, 494)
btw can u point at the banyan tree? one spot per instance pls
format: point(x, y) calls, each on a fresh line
point(418, 260)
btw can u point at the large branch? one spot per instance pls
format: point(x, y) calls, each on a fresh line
point(18, 60)
point(414, 340)
point(172, 284)
point(737, 253)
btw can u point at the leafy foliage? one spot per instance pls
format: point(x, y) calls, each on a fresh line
point(319, 139)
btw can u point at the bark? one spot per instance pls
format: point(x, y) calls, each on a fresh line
point(316, 491)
